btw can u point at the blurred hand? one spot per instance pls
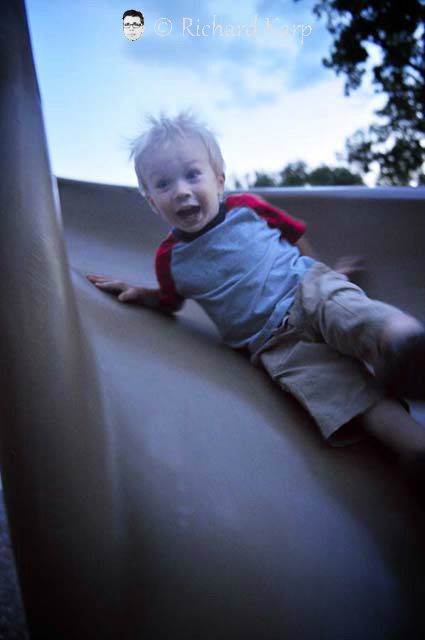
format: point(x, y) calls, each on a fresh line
point(350, 265)
point(355, 268)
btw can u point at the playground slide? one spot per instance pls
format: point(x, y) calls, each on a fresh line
point(156, 484)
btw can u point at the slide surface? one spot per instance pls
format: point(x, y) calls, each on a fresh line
point(239, 520)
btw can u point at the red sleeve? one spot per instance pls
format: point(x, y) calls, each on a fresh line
point(168, 294)
point(291, 228)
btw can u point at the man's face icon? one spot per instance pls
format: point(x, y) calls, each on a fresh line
point(133, 27)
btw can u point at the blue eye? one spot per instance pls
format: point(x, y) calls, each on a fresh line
point(161, 184)
point(194, 173)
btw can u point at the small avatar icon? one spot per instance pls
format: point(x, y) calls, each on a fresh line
point(133, 24)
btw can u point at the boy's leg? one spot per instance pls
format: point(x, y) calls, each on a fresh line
point(402, 349)
point(392, 341)
point(344, 399)
point(393, 427)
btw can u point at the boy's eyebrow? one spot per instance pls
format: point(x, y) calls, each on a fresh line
point(194, 160)
point(155, 173)
point(186, 164)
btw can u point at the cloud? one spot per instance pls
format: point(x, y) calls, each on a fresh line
point(168, 8)
point(204, 56)
point(288, 9)
point(193, 53)
point(280, 60)
point(245, 95)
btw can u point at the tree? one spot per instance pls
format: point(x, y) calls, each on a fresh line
point(263, 180)
point(297, 174)
point(293, 175)
point(396, 141)
point(325, 176)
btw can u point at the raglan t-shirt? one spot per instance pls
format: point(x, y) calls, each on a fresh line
point(242, 268)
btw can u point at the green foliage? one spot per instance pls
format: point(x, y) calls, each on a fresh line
point(263, 180)
point(340, 176)
point(294, 174)
point(396, 142)
point(297, 174)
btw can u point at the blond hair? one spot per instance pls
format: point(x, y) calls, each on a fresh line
point(164, 129)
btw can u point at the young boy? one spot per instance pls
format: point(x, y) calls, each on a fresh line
point(310, 327)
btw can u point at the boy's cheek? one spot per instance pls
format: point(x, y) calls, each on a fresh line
point(152, 205)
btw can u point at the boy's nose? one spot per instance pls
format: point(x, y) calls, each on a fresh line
point(182, 189)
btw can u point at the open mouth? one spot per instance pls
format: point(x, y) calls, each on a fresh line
point(188, 212)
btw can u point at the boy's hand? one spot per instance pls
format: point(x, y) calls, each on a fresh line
point(350, 265)
point(152, 298)
point(126, 292)
point(355, 268)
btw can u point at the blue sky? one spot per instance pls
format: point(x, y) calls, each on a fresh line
point(261, 86)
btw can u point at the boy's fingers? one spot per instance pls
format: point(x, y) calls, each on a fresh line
point(117, 285)
point(93, 278)
point(114, 286)
point(351, 263)
point(127, 296)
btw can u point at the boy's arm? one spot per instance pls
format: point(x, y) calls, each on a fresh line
point(165, 298)
point(305, 248)
point(354, 267)
point(293, 229)
point(290, 228)
point(152, 298)
point(156, 299)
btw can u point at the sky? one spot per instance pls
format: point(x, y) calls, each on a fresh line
point(254, 75)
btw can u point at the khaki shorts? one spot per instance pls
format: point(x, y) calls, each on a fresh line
point(319, 352)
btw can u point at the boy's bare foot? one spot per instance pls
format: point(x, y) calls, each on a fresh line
point(402, 365)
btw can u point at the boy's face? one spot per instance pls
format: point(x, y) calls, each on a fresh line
point(182, 186)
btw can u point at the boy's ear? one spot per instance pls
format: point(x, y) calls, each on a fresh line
point(220, 181)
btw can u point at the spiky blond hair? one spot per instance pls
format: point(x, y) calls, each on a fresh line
point(164, 129)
